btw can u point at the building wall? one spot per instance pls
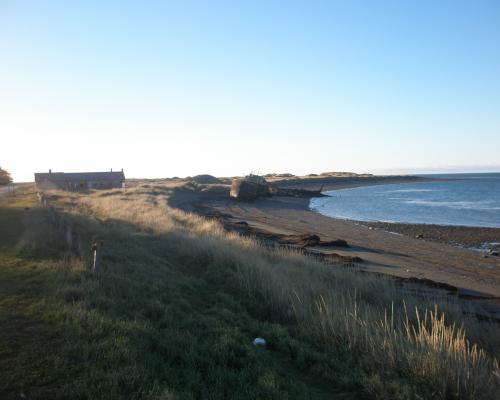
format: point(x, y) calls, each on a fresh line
point(79, 185)
point(48, 185)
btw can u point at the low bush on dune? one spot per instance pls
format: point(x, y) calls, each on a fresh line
point(205, 179)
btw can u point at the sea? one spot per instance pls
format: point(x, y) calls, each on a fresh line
point(448, 199)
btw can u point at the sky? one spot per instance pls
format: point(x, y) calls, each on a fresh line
point(178, 88)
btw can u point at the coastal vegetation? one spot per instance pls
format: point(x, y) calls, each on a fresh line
point(179, 301)
point(5, 177)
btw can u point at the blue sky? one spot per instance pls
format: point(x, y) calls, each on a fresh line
point(222, 87)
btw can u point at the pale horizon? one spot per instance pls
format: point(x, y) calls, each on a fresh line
point(395, 171)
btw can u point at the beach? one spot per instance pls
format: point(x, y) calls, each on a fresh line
point(441, 255)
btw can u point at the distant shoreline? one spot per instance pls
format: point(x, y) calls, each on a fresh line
point(337, 183)
point(472, 237)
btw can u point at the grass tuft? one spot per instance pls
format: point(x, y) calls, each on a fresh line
point(180, 300)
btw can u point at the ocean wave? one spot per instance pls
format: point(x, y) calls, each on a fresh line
point(445, 203)
point(457, 205)
point(413, 190)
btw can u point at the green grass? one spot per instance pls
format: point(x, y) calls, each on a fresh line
point(179, 301)
point(149, 327)
point(25, 288)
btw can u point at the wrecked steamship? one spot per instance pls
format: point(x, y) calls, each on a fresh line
point(252, 187)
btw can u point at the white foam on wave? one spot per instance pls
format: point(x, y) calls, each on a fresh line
point(413, 190)
point(445, 205)
point(456, 205)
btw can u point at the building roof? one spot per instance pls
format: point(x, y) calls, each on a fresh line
point(79, 176)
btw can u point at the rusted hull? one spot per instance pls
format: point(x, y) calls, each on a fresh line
point(247, 191)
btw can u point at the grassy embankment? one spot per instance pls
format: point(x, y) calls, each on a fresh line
point(179, 302)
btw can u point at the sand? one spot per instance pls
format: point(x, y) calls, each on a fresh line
point(402, 255)
point(382, 251)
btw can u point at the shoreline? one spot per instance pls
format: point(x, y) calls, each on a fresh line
point(478, 238)
point(382, 252)
point(422, 262)
point(338, 183)
point(474, 238)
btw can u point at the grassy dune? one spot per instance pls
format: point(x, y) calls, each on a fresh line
point(180, 300)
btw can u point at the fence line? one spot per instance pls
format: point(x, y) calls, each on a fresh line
point(74, 240)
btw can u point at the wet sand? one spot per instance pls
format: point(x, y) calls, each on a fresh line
point(481, 239)
point(434, 261)
point(382, 252)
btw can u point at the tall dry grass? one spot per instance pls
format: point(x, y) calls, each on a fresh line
point(429, 342)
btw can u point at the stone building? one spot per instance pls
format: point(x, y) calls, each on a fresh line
point(80, 181)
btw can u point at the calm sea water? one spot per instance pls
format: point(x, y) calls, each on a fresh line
point(460, 199)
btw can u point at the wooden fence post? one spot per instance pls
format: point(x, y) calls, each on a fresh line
point(96, 252)
point(70, 234)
